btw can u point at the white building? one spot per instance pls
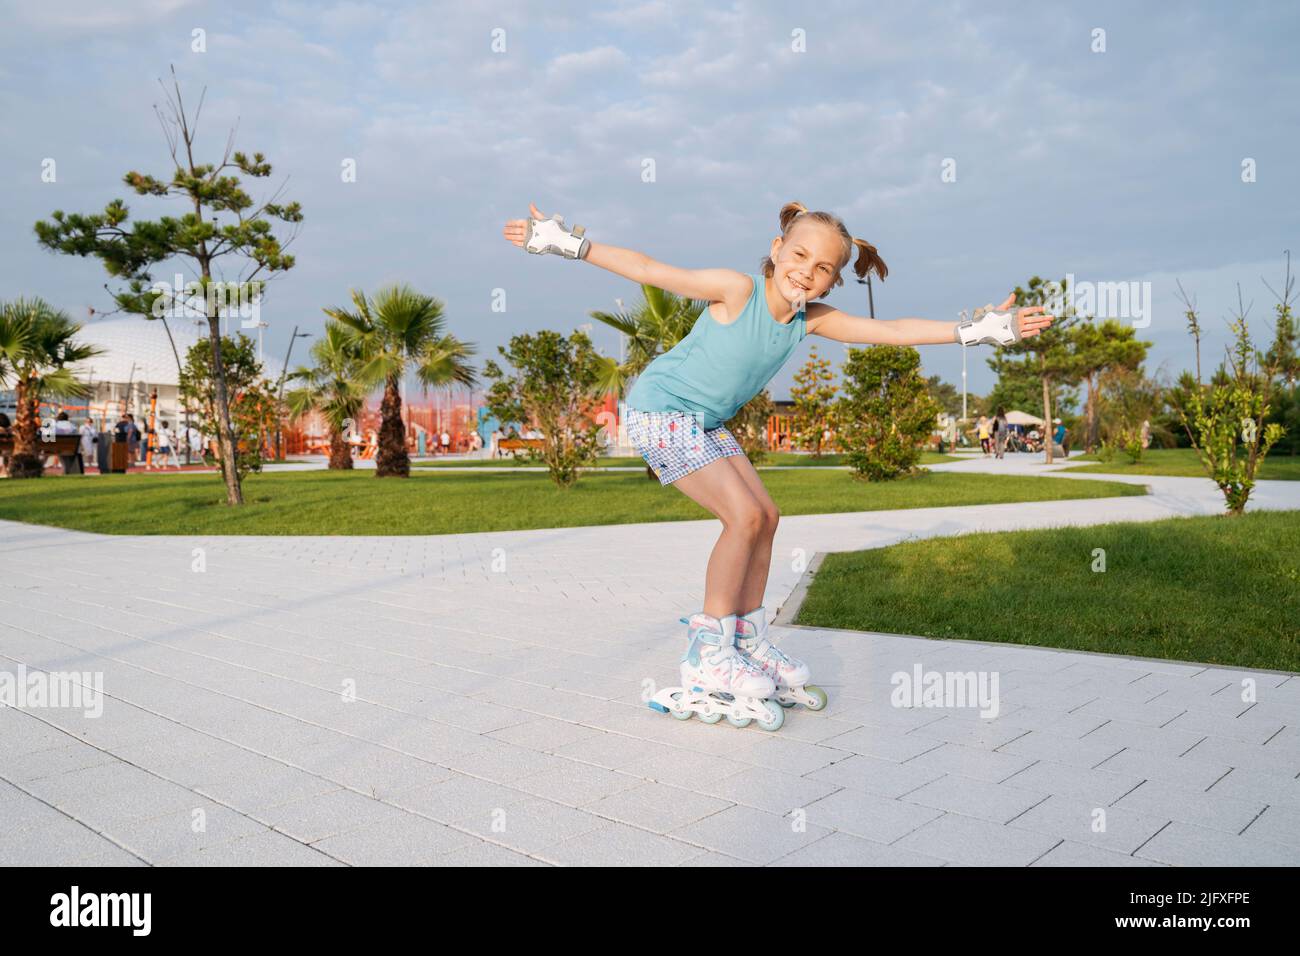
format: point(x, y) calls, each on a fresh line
point(136, 360)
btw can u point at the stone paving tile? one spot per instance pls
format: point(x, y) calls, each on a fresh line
point(186, 831)
point(1069, 853)
point(459, 798)
point(531, 825)
point(1245, 783)
point(961, 839)
point(997, 803)
point(314, 818)
point(482, 853)
point(1211, 810)
point(1276, 825)
point(885, 778)
point(264, 849)
point(987, 765)
point(617, 844)
point(657, 807)
point(1059, 778)
point(1185, 844)
point(400, 841)
point(1190, 772)
point(1084, 753)
point(881, 742)
point(844, 849)
point(273, 784)
point(1273, 757)
point(869, 816)
point(1082, 820)
point(56, 760)
point(769, 790)
point(749, 834)
point(577, 784)
point(61, 841)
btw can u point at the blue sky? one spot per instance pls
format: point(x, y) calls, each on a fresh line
point(1123, 165)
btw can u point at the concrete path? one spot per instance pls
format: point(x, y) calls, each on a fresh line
point(477, 699)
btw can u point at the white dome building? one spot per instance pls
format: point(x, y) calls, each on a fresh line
point(136, 360)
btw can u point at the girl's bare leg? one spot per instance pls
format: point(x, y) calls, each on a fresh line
point(760, 561)
point(720, 488)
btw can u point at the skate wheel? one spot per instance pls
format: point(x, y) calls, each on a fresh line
point(739, 721)
point(711, 718)
point(787, 704)
point(777, 717)
point(818, 695)
point(678, 710)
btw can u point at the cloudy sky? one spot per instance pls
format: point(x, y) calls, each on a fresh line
point(1122, 164)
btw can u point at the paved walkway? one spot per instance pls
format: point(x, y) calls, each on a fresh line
point(476, 699)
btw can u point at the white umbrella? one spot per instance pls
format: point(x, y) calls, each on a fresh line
point(1020, 418)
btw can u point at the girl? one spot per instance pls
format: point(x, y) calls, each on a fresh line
point(678, 406)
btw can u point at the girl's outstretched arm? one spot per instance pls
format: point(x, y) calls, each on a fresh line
point(711, 285)
point(833, 324)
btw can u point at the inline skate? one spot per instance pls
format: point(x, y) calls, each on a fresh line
point(788, 673)
point(717, 681)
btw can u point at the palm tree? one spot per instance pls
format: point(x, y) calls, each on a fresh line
point(333, 388)
point(399, 331)
point(37, 353)
point(661, 321)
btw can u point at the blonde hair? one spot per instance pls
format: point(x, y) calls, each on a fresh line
point(868, 259)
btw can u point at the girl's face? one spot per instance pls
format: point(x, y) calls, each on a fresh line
point(807, 262)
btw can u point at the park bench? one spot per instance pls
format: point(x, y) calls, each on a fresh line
point(513, 445)
point(65, 446)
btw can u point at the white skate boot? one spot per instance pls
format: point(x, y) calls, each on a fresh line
point(717, 681)
point(788, 673)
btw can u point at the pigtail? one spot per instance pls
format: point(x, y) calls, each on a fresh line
point(868, 260)
point(788, 214)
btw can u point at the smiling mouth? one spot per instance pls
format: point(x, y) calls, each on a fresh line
point(798, 285)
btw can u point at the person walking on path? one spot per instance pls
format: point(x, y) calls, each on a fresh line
point(677, 409)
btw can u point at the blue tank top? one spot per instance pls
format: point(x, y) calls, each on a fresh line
point(717, 368)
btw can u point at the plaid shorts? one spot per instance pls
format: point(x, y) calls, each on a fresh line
point(674, 444)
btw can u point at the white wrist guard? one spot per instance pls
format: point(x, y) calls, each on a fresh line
point(989, 327)
point(552, 237)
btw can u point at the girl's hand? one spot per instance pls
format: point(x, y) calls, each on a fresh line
point(516, 229)
point(1032, 319)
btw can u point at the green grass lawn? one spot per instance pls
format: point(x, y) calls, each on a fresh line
point(1209, 589)
point(429, 502)
point(773, 458)
point(1183, 463)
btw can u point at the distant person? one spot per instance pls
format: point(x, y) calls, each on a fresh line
point(984, 434)
point(167, 446)
point(1000, 433)
point(195, 439)
point(6, 431)
point(87, 446)
point(1146, 433)
point(132, 438)
point(446, 443)
point(494, 443)
point(1060, 436)
point(63, 426)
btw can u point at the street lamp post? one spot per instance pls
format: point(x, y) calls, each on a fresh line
point(962, 315)
point(871, 300)
point(279, 398)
